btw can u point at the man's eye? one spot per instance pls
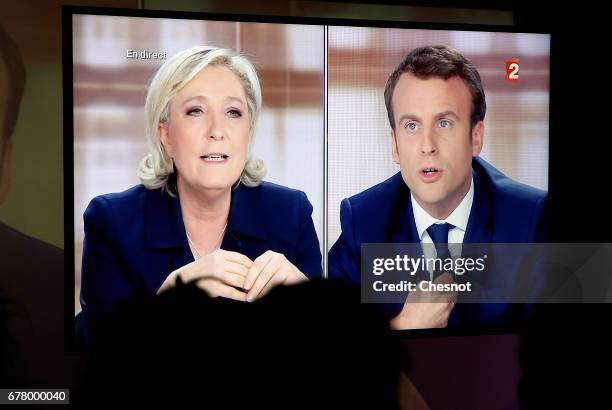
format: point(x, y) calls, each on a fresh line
point(411, 126)
point(234, 113)
point(445, 124)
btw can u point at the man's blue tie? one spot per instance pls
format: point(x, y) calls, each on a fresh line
point(439, 235)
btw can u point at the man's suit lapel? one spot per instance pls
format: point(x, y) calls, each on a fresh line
point(479, 231)
point(480, 223)
point(403, 227)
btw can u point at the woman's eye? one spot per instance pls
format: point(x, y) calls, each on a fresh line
point(195, 111)
point(445, 124)
point(234, 113)
point(411, 126)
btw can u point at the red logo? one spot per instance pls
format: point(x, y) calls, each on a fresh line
point(512, 70)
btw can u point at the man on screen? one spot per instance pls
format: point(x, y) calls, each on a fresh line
point(444, 193)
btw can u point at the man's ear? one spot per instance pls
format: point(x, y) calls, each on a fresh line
point(394, 150)
point(164, 138)
point(5, 170)
point(477, 138)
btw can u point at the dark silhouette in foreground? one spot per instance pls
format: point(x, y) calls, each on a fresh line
point(302, 345)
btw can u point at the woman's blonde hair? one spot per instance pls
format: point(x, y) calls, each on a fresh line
point(156, 168)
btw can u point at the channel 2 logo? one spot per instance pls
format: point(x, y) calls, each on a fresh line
point(512, 70)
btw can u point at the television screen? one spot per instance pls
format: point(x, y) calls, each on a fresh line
point(247, 152)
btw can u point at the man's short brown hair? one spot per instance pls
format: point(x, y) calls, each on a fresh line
point(443, 62)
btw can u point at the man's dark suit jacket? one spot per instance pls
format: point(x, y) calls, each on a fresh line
point(135, 239)
point(503, 211)
point(31, 312)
